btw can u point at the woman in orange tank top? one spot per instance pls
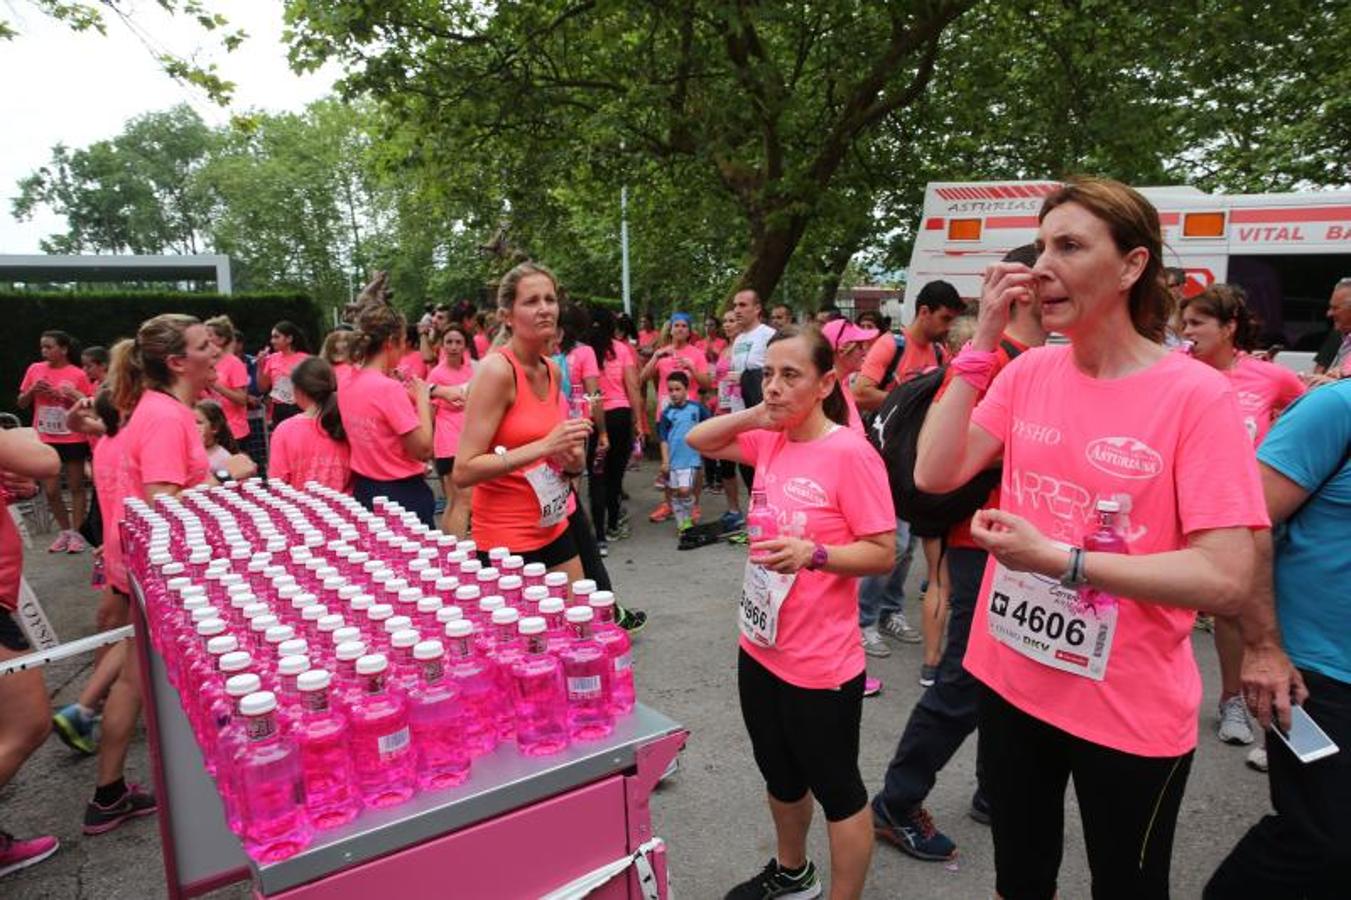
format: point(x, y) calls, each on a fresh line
point(518, 450)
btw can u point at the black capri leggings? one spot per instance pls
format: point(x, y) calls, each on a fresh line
point(412, 493)
point(607, 490)
point(804, 739)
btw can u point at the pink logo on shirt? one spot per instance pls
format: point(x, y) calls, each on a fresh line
point(805, 491)
point(1124, 457)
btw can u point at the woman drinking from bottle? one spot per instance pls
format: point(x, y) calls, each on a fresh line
point(518, 450)
point(800, 664)
point(450, 378)
point(1085, 655)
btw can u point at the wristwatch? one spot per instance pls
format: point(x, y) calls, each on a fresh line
point(819, 558)
point(222, 475)
point(1074, 577)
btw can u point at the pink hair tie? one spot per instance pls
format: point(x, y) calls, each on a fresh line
point(976, 367)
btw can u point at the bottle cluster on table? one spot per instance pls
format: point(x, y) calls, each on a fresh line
point(331, 658)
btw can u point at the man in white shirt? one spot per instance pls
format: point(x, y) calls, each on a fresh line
point(748, 353)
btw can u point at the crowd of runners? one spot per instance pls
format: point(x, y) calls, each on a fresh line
point(1089, 464)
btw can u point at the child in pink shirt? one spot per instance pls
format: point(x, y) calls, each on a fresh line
point(313, 446)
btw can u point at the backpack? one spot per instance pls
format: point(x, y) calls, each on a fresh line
point(889, 374)
point(895, 434)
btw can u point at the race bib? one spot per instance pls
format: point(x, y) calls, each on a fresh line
point(551, 491)
point(283, 391)
point(762, 595)
point(1049, 623)
point(729, 395)
point(52, 420)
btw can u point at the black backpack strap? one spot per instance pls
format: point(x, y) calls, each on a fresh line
point(1010, 348)
point(898, 350)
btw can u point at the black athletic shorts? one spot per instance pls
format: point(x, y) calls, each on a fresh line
point(11, 635)
point(71, 452)
point(553, 554)
point(444, 466)
point(804, 739)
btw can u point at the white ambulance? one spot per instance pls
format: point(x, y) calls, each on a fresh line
point(1286, 250)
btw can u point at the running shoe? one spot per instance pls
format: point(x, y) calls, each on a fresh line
point(76, 543)
point(683, 525)
point(16, 854)
point(603, 548)
point(980, 808)
point(135, 802)
point(1234, 726)
point(661, 513)
point(897, 627)
point(631, 620)
point(927, 675)
point(732, 521)
point(873, 645)
point(776, 883)
point(872, 686)
point(914, 835)
point(75, 728)
point(1257, 759)
point(618, 533)
point(622, 522)
point(61, 544)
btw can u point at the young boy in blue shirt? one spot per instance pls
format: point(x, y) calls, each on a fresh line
point(681, 467)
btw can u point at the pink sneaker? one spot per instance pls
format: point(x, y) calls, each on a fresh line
point(61, 544)
point(872, 686)
point(76, 543)
point(16, 854)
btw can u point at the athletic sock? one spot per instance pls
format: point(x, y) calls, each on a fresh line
point(108, 794)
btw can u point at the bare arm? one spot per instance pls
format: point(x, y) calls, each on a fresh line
point(418, 442)
point(871, 554)
point(636, 400)
point(716, 437)
point(23, 454)
point(592, 386)
point(238, 396)
point(867, 394)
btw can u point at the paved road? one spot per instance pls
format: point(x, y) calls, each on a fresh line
point(711, 813)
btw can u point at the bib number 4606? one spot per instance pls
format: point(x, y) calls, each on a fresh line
point(1034, 619)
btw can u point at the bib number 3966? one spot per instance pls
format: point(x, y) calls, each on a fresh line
point(1043, 620)
point(762, 595)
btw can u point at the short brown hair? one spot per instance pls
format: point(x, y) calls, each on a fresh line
point(1227, 303)
point(1133, 222)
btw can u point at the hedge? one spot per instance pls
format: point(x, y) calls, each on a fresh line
point(103, 317)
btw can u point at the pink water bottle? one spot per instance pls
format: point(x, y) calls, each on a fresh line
point(557, 584)
point(382, 746)
point(533, 574)
point(538, 695)
point(268, 774)
point(762, 522)
point(479, 692)
point(324, 737)
point(582, 588)
point(588, 676)
point(616, 642)
point(231, 738)
point(436, 716)
point(1106, 538)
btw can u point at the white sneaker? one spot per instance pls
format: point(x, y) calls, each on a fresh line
point(873, 645)
point(896, 626)
point(1257, 759)
point(1234, 726)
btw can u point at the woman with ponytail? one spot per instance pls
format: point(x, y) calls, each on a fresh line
point(313, 445)
point(800, 668)
point(388, 423)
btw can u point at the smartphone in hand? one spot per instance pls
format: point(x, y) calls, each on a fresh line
point(1305, 739)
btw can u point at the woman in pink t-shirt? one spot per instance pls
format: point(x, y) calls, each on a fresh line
point(1085, 655)
point(274, 370)
point(1219, 326)
point(51, 388)
point(451, 377)
point(411, 364)
point(623, 408)
point(388, 422)
point(231, 387)
point(335, 352)
point(800, 665)
point(313, 446)
point(851, 344)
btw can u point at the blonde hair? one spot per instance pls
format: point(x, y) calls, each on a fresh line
point(963, 329)
point(142, 363)
point(337, 347)
point(506, 288)
point(222, 327)
point(378, 327)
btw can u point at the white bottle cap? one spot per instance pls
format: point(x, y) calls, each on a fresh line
point(410, 595)
point(505, 616)
point(583, 587)
point(509, 583)
point(470, 566)
point(300, 601)
point(314, 680)
point(222, 644)
point(430, 574)
point(242, 685)
point(346, 633)
point(534, 570)
point(488, 604)
point(428, 605)
point(447, 583)
point(497, 553)
point(263, 623)
point(360, 603)
point(379, 612)
point(254, 610)
point(235, 661)
point(601, 598)
point(349, 650)
point(469, 547)
point(459, 628)
point(448, 614)
point(556, 579)
point(551, 605)
point(372, 664)
point(258, 703)
point(278, 633)
point(293, 664)
point(394, 585)
point(404, 637)
point(330, 623)
point(395, 624)
point(467, 592)
point(294, 647)
point(512, 562)
point(210, 627)
point(577, 614)
point(532, 625)
point(486, 574)
point(314, 612)
point(458, 555)
point(348, 591)
point(535, 593)
point(429, 650)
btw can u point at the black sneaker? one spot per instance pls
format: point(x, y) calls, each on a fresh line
point(775, 882)
point(915, 834)
point(631, 620)
point(980, 808)
point(135, 802)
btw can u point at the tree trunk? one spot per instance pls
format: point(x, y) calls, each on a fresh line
point(832, 270)
point(771, 249)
